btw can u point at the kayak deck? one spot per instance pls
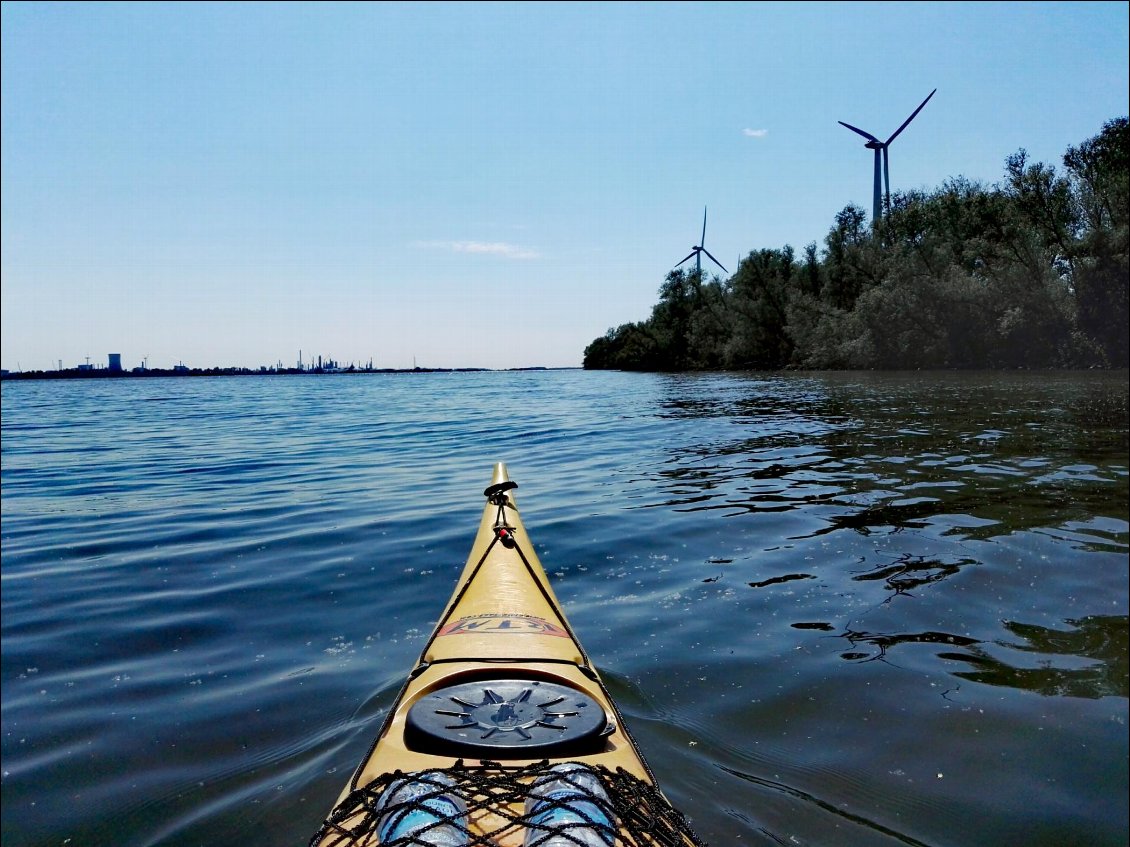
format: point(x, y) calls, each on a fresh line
point(502, 690)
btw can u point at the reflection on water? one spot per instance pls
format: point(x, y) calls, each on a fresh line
point(1031, 451)
point(850, 609)
point(777, 580)
point(883, 643)
point(1101, 640)
point(909, 572)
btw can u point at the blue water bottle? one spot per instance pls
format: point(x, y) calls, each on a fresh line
point(567, 807)
point(422, 810)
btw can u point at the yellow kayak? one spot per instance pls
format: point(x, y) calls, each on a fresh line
point(502, 693)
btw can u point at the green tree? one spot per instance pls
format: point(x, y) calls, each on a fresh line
point(679, 297)
point(848, 265)
point(711, 326)
point(759, 294)
point(1099, 169)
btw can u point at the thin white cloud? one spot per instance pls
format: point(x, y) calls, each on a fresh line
point(755, 133)
point(488, 248)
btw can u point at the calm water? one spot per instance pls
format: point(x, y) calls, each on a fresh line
point(836, 609)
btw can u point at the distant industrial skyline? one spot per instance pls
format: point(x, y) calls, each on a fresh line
point(316, 365)
point(114, 362)
point(475, 185)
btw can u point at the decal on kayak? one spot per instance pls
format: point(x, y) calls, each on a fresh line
point(506, 624)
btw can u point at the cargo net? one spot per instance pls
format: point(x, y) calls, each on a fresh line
point(492, 810)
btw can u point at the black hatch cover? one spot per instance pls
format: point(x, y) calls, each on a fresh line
point(506, 718)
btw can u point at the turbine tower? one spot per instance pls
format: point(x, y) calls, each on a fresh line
point(699, 249)
point(882, 169)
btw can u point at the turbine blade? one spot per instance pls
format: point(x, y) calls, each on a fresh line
point(912, 116)
point(703, 239)
point(690, 255)
point(866, 135)
point(715, 261)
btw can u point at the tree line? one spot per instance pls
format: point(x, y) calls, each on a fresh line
point(1030, 272)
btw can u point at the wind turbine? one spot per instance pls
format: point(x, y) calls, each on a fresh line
point(699, 249)
point(883, 170)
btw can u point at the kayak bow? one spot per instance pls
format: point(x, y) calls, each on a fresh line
point(502, 691)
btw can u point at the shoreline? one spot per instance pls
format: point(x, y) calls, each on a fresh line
point(181, 372)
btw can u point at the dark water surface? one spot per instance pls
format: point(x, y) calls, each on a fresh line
point(836, 609)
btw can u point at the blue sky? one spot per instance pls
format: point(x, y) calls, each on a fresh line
point(475, 185)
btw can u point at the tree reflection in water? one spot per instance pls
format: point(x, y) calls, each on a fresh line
point(1102, 639)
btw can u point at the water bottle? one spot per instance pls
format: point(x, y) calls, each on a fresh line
point(422, 808)
point(568, 807)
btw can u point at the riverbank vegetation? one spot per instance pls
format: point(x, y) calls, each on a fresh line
point(1029, 272)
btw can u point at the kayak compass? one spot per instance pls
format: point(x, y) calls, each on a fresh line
point(494, 717)
point(497, 496)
